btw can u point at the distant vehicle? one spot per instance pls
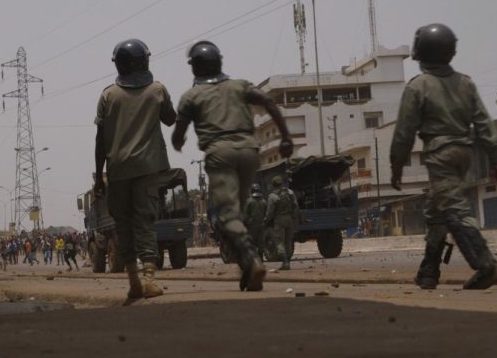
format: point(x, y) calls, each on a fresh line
point(325, 207)
point(174, 227)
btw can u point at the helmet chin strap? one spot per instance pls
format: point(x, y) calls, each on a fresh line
point(220, 77)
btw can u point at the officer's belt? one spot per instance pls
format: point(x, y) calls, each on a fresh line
point(227, 132)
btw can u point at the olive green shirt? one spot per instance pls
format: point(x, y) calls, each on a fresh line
point(220, 114)
point(442, 105)
point(130, 119)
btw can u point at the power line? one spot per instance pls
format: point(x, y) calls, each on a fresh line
point(110, 28)
point(175, 48)
point(64, 23)
point(183, 44)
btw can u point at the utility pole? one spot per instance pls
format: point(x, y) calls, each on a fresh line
point(201, 179)
point(380, 228)
point(202, 212)
point(300, 29)
point(335, 135)
point(372, 27)
point(318, 80)
point(27, 189)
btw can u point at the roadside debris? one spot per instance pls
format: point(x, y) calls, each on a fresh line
point(322, 293)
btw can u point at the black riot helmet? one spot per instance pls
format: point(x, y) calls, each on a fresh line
point(205, 59)
point(256, 188)
point(434, 43)
point(131, 56)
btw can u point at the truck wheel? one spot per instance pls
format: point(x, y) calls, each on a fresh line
point(160, 259)
point(97, 257)
point(178, 255)
point(330, 244)
point(116, 263)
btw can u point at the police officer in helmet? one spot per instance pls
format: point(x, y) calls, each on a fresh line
point(131, 58)
point(130, 142)
point(219, 109)
point(254, 212)
point(281, 216)
point(443, 105)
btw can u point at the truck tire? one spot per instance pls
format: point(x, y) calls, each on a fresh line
point(97, 257)
point(116, 263)
point(178, 255)
point(160, 259)
point(330, 244)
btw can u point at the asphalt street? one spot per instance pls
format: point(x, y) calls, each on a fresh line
point(360, 304)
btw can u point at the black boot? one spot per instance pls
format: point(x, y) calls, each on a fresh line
point(475, 250)
point(253, 270)
point(429, 270)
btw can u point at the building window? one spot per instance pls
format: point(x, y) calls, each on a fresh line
point(295, 124)
point(373, 119)
point(301, 96)
point(361, 163)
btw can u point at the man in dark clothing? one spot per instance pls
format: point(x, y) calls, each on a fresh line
point(443, 106)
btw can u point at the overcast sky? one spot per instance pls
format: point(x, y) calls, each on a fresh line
point(69, 44)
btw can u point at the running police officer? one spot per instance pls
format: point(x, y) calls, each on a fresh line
point(219, 109)
point(442, 106)
point(129, 140)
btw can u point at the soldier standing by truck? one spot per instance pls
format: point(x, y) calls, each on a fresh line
point(282, 217)
point(255, 210)
point(219, 109)
point(130, 141)
point(443, 105)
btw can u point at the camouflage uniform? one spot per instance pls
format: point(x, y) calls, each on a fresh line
point(442, 105)
point(281, 217)
point(225, 129)
point(255, 210)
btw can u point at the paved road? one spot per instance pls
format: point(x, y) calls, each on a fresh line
point(361, 304)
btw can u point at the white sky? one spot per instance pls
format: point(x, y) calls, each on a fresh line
point(70, 42)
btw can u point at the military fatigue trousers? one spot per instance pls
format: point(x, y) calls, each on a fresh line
point(447, 169)
point(282, 235)
point(133, 203)
point(257, 234)
point(231, 172)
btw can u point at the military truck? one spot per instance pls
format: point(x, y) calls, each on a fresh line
point(327, 202)
point(174, 226)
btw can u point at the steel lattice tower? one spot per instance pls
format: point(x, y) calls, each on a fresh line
point(27, 189)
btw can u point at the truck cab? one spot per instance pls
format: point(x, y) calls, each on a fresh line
point(174, 226)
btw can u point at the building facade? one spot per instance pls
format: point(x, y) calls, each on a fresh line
point(359, 104)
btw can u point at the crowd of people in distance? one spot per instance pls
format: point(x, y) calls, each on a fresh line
point(30, 249)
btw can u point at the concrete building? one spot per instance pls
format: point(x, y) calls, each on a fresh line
point(362, 101)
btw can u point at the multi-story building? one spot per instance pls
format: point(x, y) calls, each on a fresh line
point(359, 103)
